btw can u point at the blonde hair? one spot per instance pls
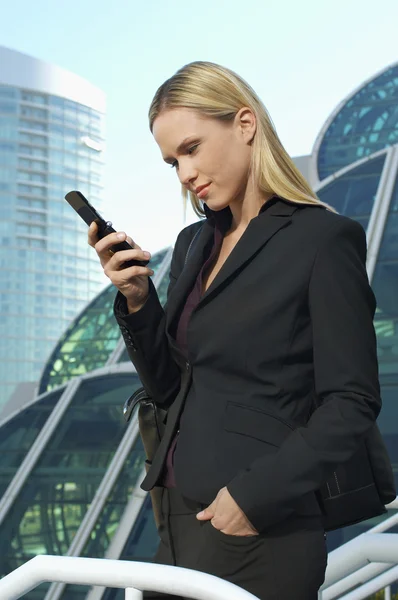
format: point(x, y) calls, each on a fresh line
point(218, 92)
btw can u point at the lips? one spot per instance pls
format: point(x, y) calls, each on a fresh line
point(202, 190)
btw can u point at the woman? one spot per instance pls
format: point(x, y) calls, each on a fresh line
point(265, 356)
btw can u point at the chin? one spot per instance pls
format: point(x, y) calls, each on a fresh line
point(216, 206)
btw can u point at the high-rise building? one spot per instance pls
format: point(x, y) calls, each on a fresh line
point(51, 141)
point(70, 468)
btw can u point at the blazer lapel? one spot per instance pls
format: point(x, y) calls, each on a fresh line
point(274, 215)
point(188, 275)
point(259, 231)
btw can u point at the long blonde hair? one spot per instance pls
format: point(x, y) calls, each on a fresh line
point(218, 92)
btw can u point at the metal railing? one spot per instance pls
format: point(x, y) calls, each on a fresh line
point(365, 564)
point(359, 568)
point(134, 577)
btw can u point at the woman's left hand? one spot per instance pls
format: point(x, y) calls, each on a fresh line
point(226, 516)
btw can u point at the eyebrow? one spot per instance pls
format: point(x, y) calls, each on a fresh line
point(185, 142)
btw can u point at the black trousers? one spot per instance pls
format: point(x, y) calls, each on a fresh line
point(288, 562)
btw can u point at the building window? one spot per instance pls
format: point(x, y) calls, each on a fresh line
point(8, 128)
point(9, 108)
point(36, 113)
point(24, 124)
point(32, 138)
point(34, 165)
point(28, 202)
point(31, 151)
point(27, 176)
point(34, 98)
point(25, 215)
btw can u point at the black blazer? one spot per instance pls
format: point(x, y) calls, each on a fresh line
point(285, 327)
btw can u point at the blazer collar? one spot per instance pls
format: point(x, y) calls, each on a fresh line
point(274, 215)
point(274, 206)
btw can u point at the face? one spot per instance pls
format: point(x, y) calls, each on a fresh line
point(211, 157)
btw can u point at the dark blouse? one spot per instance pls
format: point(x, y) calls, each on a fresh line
point(181, 334)
point(196, 293)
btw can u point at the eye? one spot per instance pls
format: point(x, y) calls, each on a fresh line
point(189, 151)
point(192, 149)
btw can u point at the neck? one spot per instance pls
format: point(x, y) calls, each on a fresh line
point(246, 207)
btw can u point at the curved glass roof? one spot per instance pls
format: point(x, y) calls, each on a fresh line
point(89, 341)
point(49, 509)
point(385, 286)
point(19, 433)
point(354, 191)
point(366, 123)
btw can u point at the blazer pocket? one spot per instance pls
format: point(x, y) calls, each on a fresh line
point(256, 423)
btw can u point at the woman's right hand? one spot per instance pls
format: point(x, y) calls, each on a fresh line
point(132, 282)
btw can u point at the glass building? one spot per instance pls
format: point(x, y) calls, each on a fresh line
point(51, 141)
point(70, 468)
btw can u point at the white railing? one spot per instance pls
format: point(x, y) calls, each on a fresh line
point(359, 568)
point(365, 564)
point(134, 577)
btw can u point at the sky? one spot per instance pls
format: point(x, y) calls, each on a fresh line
point(302, 58)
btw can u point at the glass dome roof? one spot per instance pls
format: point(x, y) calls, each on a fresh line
point(362, 125)
point(89, 341)
point(352, 192)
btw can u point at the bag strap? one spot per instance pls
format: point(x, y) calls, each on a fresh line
point(191, 243)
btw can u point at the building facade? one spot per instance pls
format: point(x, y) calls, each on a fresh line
point(70, 468)
point(51, 141)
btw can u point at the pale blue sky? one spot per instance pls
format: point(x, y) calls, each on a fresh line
point(301, 57)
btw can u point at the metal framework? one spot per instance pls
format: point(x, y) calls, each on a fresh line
point(37, 448)
point(379, 214)
point(313, 162)
point(369, 561)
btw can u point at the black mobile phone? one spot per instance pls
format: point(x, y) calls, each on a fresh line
point(88, 213)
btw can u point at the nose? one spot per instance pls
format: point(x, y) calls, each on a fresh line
point(187, 173)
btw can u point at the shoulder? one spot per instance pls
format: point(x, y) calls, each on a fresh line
point(186, 236)
point(323, 225)
point(190, 231)
point(183, 242)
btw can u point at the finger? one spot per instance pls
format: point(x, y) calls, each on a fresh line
point(123, 275)
point(93, 234)
point(103, 245)
point(119, 258)
point(207, 514)
point(132, 243)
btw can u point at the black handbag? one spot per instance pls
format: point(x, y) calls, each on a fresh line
point(151, 426)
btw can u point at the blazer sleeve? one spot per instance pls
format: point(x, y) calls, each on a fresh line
point(144, 334)
point(342, 307)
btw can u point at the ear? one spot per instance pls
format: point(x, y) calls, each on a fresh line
point(246, 121)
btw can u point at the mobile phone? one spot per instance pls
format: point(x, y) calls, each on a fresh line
point(88, 213)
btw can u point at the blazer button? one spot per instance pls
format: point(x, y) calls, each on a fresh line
point(187, 366)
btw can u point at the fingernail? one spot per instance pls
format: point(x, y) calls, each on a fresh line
point(199, 515)
point(147, 254)
point(121, 236)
